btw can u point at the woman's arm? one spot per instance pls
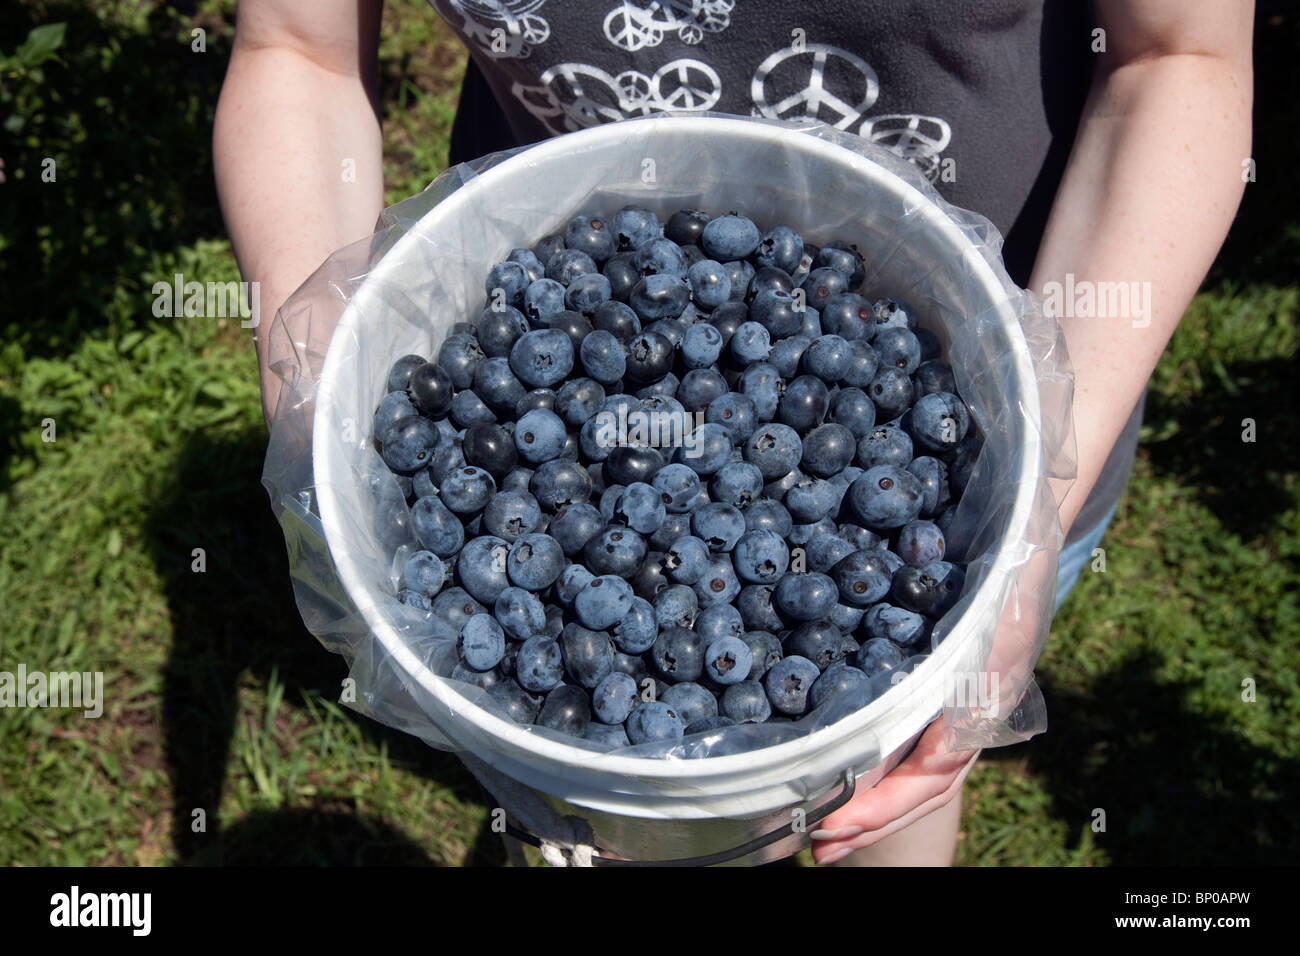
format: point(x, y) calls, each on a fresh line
point(1152, 184)
point(297, 144)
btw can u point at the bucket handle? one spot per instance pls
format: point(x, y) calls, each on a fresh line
point(848, 779)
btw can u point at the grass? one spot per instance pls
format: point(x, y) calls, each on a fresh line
point(221, 741)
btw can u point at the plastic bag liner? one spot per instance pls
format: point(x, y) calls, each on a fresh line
point(347, 527)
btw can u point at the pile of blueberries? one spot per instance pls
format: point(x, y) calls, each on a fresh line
point(789, 552)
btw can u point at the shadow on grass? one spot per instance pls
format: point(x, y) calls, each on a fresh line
point(1177, 787)
point(125, 113)
point(1243, 483)
point(239, 617)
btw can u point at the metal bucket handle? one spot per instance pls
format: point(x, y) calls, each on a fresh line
point(849, 781)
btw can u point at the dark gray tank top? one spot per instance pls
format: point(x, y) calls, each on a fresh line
point(984, 97)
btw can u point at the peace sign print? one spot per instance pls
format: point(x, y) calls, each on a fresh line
point(686, 85)
point(830, 84)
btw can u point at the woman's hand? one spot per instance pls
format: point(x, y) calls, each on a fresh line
point(927, 779)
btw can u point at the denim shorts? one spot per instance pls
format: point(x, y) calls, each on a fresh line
point(1076, 556)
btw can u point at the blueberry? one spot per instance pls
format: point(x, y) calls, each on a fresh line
point(844, 258)
point(568, 264)
point(849, 316)
point(734, 412)
point(863, 578)
point(701, 386)
point(710, 283)
point(627, 464)
point(634, 226)
point(938, 422)
point(572, 579)
point(804, 404)
point(603, 602)
point(769, 277)
point(519, 612)
point(852, 408)
point(840, 678)
point(885, 444)
point(781, 247)
point(678, 654)
point(691, 701)
point(574, 325)
point(728, 660)
point(614, 698)
point(616, 550)
point(586, 293)
point(762, 384)
point(707, 725)
point(542, 299)
point(496, 384)
point(534, 266)
point(519, 705)
point(534, 562)
point(751, 343)
point(454, 607)
point(467, 408)
point(777, 311)
point(592, 236)
point(659, 296)
point(935, 491)
point(649, 357)
point(409, 445)
point(805, 597)
point(484, 680)
point(653, 722)
point(677, 485)
point(718, 525)
point(754, 602)
point(727, 317)
point(395, 407)
point(685, 226)
point(618, 319)
point(438, 529)
point(637, 630)
point(481, 567)
point(789, 682)
point(490, 447)
point(746, 702)
point(761, 557)
point(559, 483)
point(787, 355)
point(768, 515)
point(886, 497)
point(863, 365)
point(820, 642)
point(424, 573)
point(566, 710)
point(588, 655)
point(466, 491)
point(701, 345)
point(640, 508)
point(574, 525)
point(736, 483)
point(539, 665)
point(686, 560)
point(675, 526)
point(931, 590)
point(774, 448)
point(718, 584)
point(827, 450)
point(541, 358)
point(675, 606)
point(934, 376)
point(878, 655)
point(895, 624)
point(510, 278)
point(825, 551)
point(547, 247)
point(821, 285)
point(578, 399)
point(399, 375)
point(602, 357)
point(539, 436)
point(920, 543)
point(482, 643)
point(709, 449)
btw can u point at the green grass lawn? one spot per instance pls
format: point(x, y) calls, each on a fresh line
point(221, 741)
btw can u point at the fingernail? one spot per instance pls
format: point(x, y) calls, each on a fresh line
point(837, 855)
point(843, 833)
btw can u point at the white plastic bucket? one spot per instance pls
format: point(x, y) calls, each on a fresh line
point(661, 808)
